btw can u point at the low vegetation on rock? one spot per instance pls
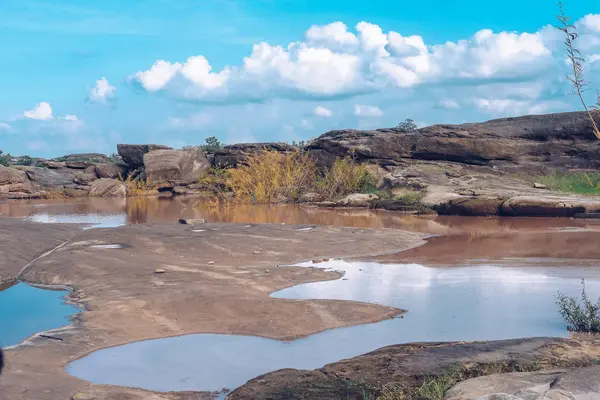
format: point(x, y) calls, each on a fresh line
point(212, 145)
point(584, 183)
point(4, 159)
point(581, 317)
point(276, 177)
point(408, 125)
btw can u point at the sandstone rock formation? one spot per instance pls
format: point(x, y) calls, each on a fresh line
point(111, 171)
point(534, 143)
point(14, 184)
point(231, 156)
point(559, 384)
point(9, 176)
point(108, 188)
point(174, 165)
point(133, 154)
point(406, 365)
point(84, 178)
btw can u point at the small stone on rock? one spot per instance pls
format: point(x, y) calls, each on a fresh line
point(83, 396)
point(539, 186)
point(160, 271)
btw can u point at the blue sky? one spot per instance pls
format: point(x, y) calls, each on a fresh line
point(78, 76)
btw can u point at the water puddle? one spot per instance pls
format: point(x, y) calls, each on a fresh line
point(26, 310)
point(95, 220)
point(108, 246)
point(445, 304)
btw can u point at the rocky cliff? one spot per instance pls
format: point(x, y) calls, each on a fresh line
point(471, 169)
point(531, 144)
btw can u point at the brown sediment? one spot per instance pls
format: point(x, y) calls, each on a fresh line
point(516, 248)
point(215, 281)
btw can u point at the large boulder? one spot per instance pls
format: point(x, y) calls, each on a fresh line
point(90, 158)
point(528, 144)
point(77, 164)
point(21, 188)
point(9, 176)
point(54, 164)
point(108, 188)
point(51, 179)
point(84, 178)
point(110, 170)
point(174, 165)
point(133, 154)
point(231, 156)
point(550, 206)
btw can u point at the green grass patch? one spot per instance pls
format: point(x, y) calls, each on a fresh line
point(585, 183)
point(410, 198)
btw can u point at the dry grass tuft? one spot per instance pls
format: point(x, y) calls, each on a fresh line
point(139, 187)
point(274, 177)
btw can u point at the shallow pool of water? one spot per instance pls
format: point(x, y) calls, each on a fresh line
point(111, 212)
point(92, 220)
point(26, 310)
point(444, 304)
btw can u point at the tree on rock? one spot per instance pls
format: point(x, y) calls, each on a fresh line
point(212, 145)
point(408, 125)
point(4, 159)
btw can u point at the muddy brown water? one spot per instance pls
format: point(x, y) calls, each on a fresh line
point(462, 241)
point(505, 273)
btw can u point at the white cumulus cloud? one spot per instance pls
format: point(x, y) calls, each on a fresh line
point(102, 91)
point(367, 111)
point(321, 111)
point(333, 61)
point(42, 112)
point(449, 104)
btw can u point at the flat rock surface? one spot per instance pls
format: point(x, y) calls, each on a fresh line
point(578, 384)
point(22, 242)
point(406, 365)
point(220, 271)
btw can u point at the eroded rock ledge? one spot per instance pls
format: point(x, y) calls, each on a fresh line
point(406, 367)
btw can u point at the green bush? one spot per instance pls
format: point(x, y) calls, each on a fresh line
point(4, 159)
point(408, 125)
point(212, 145)
point(583, 317)
point(25, 160)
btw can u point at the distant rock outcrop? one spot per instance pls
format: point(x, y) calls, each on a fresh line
point(133, 154)
point(231, 156)
point(533, 143)
point(174, 165)
point(111, 171)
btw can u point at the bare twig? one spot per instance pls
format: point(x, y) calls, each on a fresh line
point(577, 63)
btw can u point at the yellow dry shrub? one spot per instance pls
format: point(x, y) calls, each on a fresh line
point(139, 187)
point(272, 177)
point(345, 177)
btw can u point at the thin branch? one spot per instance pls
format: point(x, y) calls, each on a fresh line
point(577, 63)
